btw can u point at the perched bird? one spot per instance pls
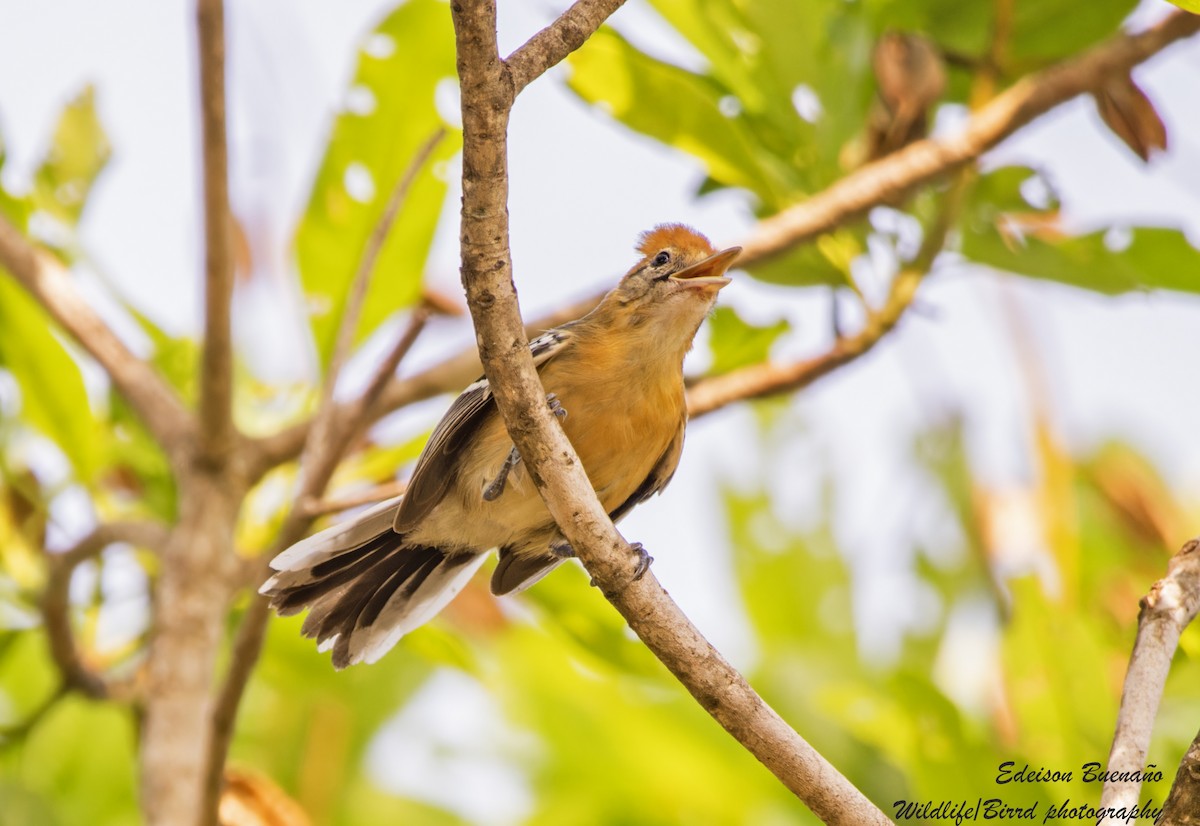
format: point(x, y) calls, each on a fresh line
point(615, 380)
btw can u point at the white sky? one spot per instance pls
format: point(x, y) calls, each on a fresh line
point(1123, 367)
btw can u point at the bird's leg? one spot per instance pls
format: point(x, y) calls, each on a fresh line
point(640, 567)
point(496, 487)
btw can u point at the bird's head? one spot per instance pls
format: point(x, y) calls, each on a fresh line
point(676, 282)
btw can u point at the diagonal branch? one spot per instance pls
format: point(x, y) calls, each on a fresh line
point(553, 43)
point(899, 174)
point(447, 376)
point(552, 463)
point(217, 434)
point(76, 674)
point(767, 379)
point(49, 283)
point(1167, 609)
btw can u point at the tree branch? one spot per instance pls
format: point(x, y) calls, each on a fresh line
point(49, 283)
point(450, 375)
point(896, 176)
point(217, 433)
point(55, 604)
point(1166, 610)
point(554, 466)
point(1182, 807)
point(766, 379)
point(553, 43)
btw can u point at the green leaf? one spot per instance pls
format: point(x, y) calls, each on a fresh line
point(392, 115)
point(1155, 259)
point(823, 263)
point(53, 397)
point(736, 343)
point(679, 108)
point(77, 154)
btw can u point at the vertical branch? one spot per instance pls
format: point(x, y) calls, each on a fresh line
point(216, 364)
point(1167, 609)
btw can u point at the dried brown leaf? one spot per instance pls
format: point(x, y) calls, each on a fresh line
point(1131, 116)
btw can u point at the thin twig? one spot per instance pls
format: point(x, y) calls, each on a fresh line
point(328, 436)
point(325, 444)
point(553, 43)
point(217, 433)
point(447, 376)
point(554, 467)
point(894, 177)
point(55, 604)
point(1166, 610)
point(155, 403)
point(314, 508)
point(766, 379)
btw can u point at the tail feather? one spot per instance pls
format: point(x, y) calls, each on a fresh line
point(364, 586)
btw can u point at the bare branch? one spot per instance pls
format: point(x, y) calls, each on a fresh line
point(894, 177)
point(1182, 807)
point(76, 674)
point(1167, 609)
point(321, 507)
point(49, 283)
point(551, 460)
point(553, 43)
point(217, 433)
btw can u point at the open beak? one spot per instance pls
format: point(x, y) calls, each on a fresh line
point(710, 272)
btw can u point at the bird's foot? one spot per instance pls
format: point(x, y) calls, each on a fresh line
point(496, 487)
point(640, 567)
point(644, 561)
point(562, 548)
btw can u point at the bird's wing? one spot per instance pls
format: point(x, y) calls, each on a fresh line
point(438, 463)
point(658, 478)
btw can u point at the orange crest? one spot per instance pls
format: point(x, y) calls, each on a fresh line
point(675, 236)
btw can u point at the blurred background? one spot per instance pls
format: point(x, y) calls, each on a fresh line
point(928, 562)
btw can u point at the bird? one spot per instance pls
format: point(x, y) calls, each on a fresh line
point(614, 379)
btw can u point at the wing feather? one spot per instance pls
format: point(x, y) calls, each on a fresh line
point(438, 463)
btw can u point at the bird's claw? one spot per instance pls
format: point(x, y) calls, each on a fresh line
point(562, 549)
point(496, 487)
point(644, 560)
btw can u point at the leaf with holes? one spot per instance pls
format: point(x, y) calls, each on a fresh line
point(390, 113)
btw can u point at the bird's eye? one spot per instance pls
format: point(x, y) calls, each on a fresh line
point(662, 258)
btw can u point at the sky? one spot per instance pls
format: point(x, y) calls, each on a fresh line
point(1111, 367)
